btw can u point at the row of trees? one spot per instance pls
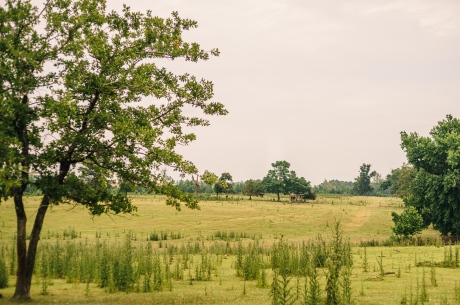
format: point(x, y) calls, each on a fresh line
point(371, 183)
point(279, 180)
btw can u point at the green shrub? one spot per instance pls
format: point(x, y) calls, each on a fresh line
point(409, 223)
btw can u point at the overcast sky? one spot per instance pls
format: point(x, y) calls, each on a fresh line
point(324, 85)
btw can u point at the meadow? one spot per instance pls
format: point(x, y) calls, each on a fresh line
point(230, 252)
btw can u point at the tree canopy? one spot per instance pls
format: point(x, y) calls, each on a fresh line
point(398, 181)
point(252, 188)
point(407, 224)
point(334, 187)
point(362, 185)
point(435, 190)
point(73, 82)
point(275, 180)
point(280, 180)
point(224, 184)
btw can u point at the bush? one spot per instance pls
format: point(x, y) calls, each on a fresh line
point(409, 223)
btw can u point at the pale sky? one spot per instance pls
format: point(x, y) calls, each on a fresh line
point(324, 85)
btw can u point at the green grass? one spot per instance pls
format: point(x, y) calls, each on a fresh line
point(362, 218)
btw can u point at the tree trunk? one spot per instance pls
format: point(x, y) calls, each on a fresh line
point(278, 196)
point(35, 237)
point(26, 256)
point(22, 291)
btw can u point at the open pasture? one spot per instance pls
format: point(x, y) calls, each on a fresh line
point(200, 252)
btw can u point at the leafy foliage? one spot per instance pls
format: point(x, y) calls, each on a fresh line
point(88, 113)
point(275, 181)
point(399, 180)
point(209, 178)
point(280, 180)
point(224, 185)
point(435, 190)
point(334, 187)
point(252, 188)
point(409, 223)
point(362, 185)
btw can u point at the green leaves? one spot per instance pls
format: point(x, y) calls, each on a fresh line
point(408, 223)
point(90, 112)
point(252, 188)
point(362, 184)
point(280, 180)
point(209, 178)
point(435, 190)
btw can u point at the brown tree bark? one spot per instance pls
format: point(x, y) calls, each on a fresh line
point(35, 237)
point(22, 289)
point(27, 255)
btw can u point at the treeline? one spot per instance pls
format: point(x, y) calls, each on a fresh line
point(397, 183)
point(188, 186)
point(280, 179)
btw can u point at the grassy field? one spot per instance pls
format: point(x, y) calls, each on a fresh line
point(230, 223)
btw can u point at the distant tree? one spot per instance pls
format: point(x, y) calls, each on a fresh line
point(209, 178)
point(398, 181)
point(300, 186)
point(186, 186)
point(376, 182)
point(390, 184)
point(280, 180)
point(406, 175)
point(238, 187)
point(362, 185)
point(126, 186)
point(218, 188)
point(409, 223)
point(252, 188)
point(224, 184)
point(205, 188)
point(196, 182)
point(334, 187)
point(275, 181)
point(435, 190)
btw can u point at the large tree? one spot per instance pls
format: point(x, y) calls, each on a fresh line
point(300, 186)
point(275, 180)
point(73, 78)
point(224, 184)
point(280, 180)
point(252, 188)
point(435, 190)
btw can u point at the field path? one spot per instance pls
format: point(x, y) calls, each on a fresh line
point(360, 218)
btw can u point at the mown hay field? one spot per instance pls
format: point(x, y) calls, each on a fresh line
point(203, 249)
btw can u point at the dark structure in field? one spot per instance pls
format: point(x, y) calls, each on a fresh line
point(298, 198)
